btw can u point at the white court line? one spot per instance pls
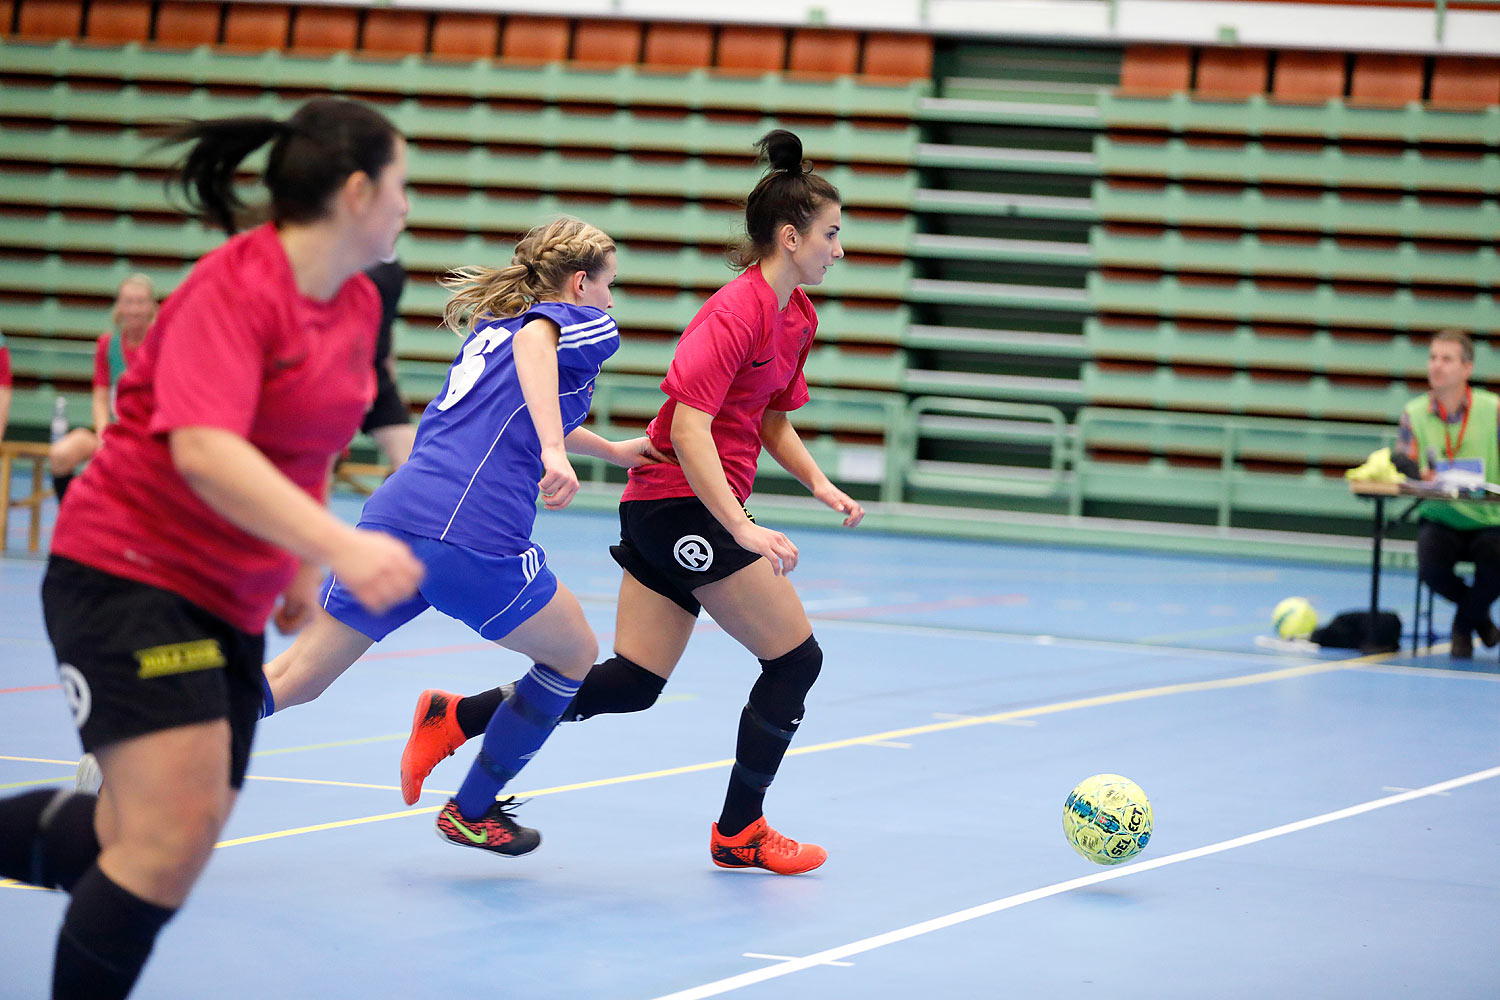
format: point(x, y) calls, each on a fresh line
point(831, 955)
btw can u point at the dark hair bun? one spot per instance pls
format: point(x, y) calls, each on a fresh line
point(782, 149)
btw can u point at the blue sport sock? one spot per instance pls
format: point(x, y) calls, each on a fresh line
point(267, 700)
point(516, 732)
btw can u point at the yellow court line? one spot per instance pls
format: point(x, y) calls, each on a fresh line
point(338, 784)
point(330, 746)
point(41, 760)
point(34, 781)
point(1108, 699)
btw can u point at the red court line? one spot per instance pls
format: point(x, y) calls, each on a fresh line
point(34, 687)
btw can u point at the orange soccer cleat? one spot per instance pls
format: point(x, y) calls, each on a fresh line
point(434, 736)
point(759, 846)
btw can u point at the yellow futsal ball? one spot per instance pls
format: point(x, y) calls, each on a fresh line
point(1107, 819)
point(1294, 618)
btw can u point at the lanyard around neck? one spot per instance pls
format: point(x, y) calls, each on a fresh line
point(1463, 425)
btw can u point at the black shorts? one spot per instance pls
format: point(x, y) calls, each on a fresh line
point(135, 659)
point(388, 410)
point(674, 546)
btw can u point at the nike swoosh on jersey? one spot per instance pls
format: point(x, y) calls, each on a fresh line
point(757, 364)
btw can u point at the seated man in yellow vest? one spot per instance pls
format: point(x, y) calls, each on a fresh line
point(1454, 426)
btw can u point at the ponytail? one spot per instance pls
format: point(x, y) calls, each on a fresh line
point(789, 193)
point(312, 153)
point(544, 261)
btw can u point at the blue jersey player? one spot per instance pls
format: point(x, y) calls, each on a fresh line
point(515, 400)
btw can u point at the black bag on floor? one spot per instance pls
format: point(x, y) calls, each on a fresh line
point(1347, 631)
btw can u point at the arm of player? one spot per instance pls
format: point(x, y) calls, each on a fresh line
point(237, 481)
point(535, 350)
point(693, 441)
point(628, 454)
point(99, 405)
point(4, 409)
point(780, 438)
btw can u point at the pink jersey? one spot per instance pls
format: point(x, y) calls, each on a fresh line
point(739, 357)
point(4, 369)
point(239, 348)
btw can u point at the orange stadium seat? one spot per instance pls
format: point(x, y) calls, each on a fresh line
point(1308, 76)
point(465, 36)
point(672, 44)
point(824, 51)
point(905, 57)
point(325, 29)
point(1232, 73)
point(395, 32)
point(50, 19)
point(607, 43)
point(187, 22)
point(256, 26)
point(1156, 69)
point(535, 39)
point(1386, 79)
point(119, 21)
point(1464, 82)
point(753, 49)
point(7, 14)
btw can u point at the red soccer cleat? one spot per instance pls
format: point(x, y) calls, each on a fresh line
point(496, 831)
point(759, 846)
point(434, 736)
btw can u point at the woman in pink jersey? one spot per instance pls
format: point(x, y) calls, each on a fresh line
point(686, 540)
point(131, 316)
point(176, 543)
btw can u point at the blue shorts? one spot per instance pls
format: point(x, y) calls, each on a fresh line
point(491, 594)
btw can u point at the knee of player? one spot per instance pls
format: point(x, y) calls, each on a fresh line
point(180, 837)
point(585, 653)
point(784, 682)
point(800, 666)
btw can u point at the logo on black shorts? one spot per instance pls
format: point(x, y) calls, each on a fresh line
point(693, 552)
point(76, 690)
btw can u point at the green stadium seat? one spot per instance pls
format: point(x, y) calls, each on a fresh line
point(1403, 216)
point(978, 340)
point(1323, 305)
point(1323, 257)
point(1329, 166)
point(1246, 346)
point(1328, 119)
point(1240, 392)
point(692, 132)
point(987, 385)
point(52, 359)
point(553, 82)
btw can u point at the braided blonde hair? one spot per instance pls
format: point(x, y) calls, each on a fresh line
point(545, 260)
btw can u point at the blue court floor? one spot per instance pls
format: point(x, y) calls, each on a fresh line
point(1326, 825)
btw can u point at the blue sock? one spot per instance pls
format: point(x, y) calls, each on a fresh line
point(267, 701)
point(516, 732)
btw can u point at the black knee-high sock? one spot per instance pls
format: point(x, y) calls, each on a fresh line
point(768, 722)
point(106, 936)
point(47, 838)
point(473, 713)
point(615, 686)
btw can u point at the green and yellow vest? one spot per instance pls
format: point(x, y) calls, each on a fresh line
point(1479, 442)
